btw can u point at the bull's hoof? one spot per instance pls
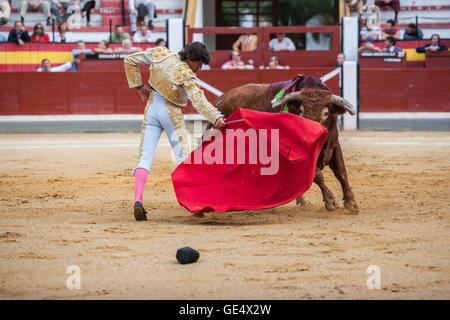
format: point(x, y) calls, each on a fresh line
point(352, 206)
point(332, 204)
point(303, 201)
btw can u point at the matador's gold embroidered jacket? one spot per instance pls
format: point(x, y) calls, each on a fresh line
point(171, 77)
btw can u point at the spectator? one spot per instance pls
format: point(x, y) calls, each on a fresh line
point(139, 9)
point(5, 12)
point(370, 33)
point(412, 33)
point(79, 53)
point(127, 47)
point(18, 35)
point(38, 34)
point(35, 4)
point(56, 7)
point(356, 7)
point(247, 42)
point(143, 35)
point(86, 11)
point(393, 4)
point(119, 35)
point(340, 60)
point(63, 35)
point(390, 30)
point(103, 48)
point(233, 62)
point(368, 47)
point(390, 45)
point(160, 42)
point(434, 46)
point(281, 42)
point(274, 64)
point(241, 65)
point(47, 67)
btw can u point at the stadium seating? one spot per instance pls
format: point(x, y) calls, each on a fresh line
point(433, 16)
point(104, 11)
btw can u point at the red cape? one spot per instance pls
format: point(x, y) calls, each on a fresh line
point(202, 187)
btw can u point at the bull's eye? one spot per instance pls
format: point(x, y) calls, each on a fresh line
point(324, 114)
point(302, 109)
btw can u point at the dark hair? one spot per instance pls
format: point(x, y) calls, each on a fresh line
point(435, 34)
point(196, 51)
point(117, 26)
point(35, 28)
point(43, 60)
point(391, 39)
point(158, 41)
point(392, 22)
point(412, 26)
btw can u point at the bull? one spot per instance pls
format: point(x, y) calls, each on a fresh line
point(311, 99)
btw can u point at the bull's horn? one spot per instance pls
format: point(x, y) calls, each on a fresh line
point(287, 98)
point(341, 102)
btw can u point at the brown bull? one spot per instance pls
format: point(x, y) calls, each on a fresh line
point(314, 101)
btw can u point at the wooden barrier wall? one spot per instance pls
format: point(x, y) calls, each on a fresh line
point(33, 93)
point(381, 90)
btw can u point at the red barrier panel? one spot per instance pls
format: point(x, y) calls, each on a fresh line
point(32, 93)
point(385, 90)
point(404, 90)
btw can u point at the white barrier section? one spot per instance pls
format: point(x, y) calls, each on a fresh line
point(350, 36)
point(350, 92)
point(175, 34)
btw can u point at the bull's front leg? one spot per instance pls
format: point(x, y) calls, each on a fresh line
point(338, 166)
point(329, 199)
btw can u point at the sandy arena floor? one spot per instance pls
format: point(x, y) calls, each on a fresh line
point(67, 200)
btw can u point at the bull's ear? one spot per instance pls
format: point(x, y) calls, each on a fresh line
point(343, 105)
point(295, 96)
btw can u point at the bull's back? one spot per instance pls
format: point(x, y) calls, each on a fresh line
point(250, 96)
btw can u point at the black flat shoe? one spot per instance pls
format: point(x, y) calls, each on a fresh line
point(139, 212)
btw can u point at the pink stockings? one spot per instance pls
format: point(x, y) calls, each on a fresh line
point(140, 178)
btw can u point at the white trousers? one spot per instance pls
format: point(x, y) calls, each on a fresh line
point(156, 119)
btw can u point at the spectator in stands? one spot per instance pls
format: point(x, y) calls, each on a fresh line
point(281, 43)
point(103, 48)
point(56, 7)
point(63, 35)
point(86, 11)
point(139, 9)
point(127, 47)
point(18, 35)
point(434, 46)
point(390, 45)
point(370, 33)
point(412, 33)
point(274, 64)
point(143, 35)
point(390, 30)
point(79, 53)
point(340, 60)
point(393, 4)
point(356, 7)
point(160, 42)
point(38, 34)
point(35, 4)
point(5, 12)
point(47, 67)
point(233, 62)
point(247, 42)
point(119, 35)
